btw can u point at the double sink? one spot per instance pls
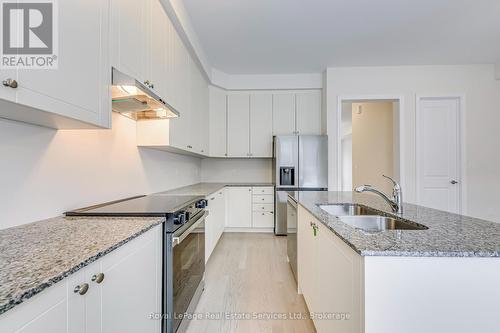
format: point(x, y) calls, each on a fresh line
point(369, 220)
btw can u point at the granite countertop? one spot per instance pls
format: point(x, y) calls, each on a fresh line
point(34, 256)
point(205, 189)
point(449, 235)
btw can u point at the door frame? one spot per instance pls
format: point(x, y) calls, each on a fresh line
point(402, 142)
point(461, 146)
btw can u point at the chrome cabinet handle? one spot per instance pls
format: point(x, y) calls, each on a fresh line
point(98, 278)
point(10, 83)
point(81, 289)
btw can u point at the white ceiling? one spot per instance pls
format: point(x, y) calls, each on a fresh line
point(306, 36)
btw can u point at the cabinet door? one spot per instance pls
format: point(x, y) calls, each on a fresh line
point(131, 289)
point(263, 219)
point(238, 125)
point(222, 211)
point(158, 55)
point(284, 114)
point(129, 37)
point(261, 125)
point(45, 312)
point(339, 290)
point(306, 257)
point(217, 122)
point(309, 113)
point(8, 93)
point(210, 225)
point(78, 88)
point(239, 207)
point(180, 127)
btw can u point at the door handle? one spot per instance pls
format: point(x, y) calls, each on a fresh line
point(453, 182)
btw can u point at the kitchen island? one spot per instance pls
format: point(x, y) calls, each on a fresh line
point(442, 279)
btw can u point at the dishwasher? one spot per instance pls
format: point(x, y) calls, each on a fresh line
point(291, 234)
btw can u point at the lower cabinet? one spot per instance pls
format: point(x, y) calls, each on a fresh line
point(215, 221)
point(330, 276)
point(250, 208)
point(239, 207)
point(117, 293)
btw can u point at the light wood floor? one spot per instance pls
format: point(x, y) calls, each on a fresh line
point(248, 273)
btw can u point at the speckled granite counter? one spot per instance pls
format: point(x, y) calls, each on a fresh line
point(449, 235)
point(36, 255)
point(205, 189)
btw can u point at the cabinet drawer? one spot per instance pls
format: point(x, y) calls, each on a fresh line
point(263, 220)
point(262, 190)
point(265, 207)
point(263, 199)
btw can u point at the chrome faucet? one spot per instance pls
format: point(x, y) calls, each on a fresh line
point(396, 202)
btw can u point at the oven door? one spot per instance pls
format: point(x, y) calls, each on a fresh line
point(188, 268)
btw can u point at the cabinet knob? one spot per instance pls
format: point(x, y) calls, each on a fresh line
point(10, 83)
point(190, 146)
point(98, 278)
point(81, 289)
point(453, 182)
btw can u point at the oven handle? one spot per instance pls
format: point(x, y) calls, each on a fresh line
point(177, 240)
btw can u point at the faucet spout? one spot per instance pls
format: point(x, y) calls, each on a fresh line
point(396, 202)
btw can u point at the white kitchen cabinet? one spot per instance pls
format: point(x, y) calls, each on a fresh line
point(217, 122)
point(239, 207)
point(308, 112)
point(158, 71)
point(306, 258)
point(238, 119)
point(332, 284)
point(131, 289)
point(122, 302)
point(262, 219)
point(261, 125)
point(130, 37)
point(75, 95)
point(215, 222)
point(45, 312)
point(284, 114)
point(198, 110)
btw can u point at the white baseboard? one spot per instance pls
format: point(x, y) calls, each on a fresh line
point(261, 230)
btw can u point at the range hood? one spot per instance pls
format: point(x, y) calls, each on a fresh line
point(137, 100)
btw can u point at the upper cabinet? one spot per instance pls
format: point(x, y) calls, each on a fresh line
point(242, 123)
point(261, 125)
point(75, 94)
point(238, 129)
point(173, 74)
point(130, 37)
point(217, 122)
point(297, 113)
point(284, 114)
point(308, 112)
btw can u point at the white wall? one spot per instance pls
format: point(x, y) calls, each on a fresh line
point(236, 170)
point(482, 106)
point(46, 172)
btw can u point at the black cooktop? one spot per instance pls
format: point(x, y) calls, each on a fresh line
point(150, 205)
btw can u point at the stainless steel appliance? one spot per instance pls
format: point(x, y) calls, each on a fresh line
point(300, 163)
point(183, 248)
point(291, 240)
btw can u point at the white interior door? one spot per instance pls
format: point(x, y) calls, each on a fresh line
point(438, 158)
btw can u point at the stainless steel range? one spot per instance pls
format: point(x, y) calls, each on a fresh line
point(183, 248)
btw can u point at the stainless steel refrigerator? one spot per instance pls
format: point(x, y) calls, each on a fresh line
point(300, 163)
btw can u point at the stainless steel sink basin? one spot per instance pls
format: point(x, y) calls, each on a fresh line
point(380, 223)
point(367, 219)
point(347, 210)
